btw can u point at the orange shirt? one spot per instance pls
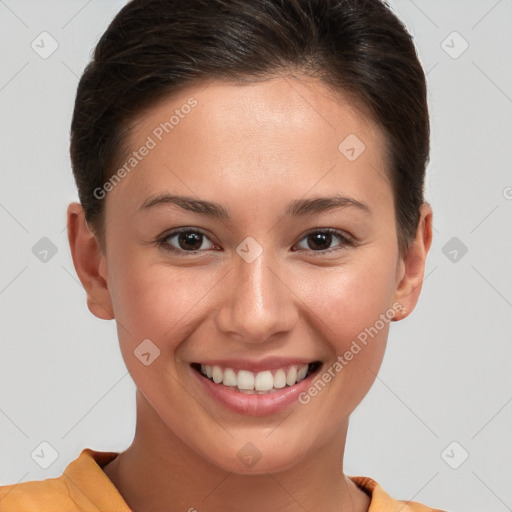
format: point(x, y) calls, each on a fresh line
point(84, 487)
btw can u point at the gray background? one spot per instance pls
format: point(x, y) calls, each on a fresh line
point(446, 375)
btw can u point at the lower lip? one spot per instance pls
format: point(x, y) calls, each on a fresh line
point(254, 404)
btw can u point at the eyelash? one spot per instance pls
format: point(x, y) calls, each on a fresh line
point(344, 239)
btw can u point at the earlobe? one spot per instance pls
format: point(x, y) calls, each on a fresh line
point(89, 262)
point(412, 265)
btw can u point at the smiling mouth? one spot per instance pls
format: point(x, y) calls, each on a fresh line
point(263, 382)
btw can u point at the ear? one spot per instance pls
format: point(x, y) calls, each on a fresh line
point(411, 267)
point(90, 263)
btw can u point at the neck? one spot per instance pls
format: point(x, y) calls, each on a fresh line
point(158, 472)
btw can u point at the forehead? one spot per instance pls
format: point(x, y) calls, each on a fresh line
point(283, 134)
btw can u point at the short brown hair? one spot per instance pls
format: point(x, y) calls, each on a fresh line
point(154, 47)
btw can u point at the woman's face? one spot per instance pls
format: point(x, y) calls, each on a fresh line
point(257, 284)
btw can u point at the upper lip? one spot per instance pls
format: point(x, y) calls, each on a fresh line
point(270, 363)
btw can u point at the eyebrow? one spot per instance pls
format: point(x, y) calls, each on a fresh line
point(298, 207)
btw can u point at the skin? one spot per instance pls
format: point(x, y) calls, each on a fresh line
point(253, 148)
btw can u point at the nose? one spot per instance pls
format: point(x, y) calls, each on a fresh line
point(258, 302)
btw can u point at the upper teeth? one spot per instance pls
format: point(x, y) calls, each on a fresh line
point(261, 381)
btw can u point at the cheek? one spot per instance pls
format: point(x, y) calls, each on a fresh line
point(157, 301)
point(353, 311)
point(350, 298)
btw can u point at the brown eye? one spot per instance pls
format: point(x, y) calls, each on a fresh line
point(185, 240)
point(190, 241)
point(322, 240)
point(319, 241)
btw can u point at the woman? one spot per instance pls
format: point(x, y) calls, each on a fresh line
point(251, 214)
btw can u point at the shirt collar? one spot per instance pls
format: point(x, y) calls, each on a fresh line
point(90, 487)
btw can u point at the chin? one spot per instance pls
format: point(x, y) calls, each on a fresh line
point(257, 458)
